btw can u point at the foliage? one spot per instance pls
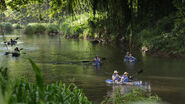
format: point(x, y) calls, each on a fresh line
point(17, 26)
point(135, 95)
point(35, 28)
point(37, 93)
point(6, 27)
point(41, 28)
point(137, 22)
point(75, 26)
point(52, 28)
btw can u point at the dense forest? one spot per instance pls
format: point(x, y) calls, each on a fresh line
point(158, 25)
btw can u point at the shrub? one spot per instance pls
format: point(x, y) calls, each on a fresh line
point(6, 27)
point(40, 29)
point(35, 28)
point(17, 26)
point(52, 28)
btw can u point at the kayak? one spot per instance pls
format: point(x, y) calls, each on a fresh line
point(132, 61)
point(96, 63)
point(133, 83)
point(15, 54)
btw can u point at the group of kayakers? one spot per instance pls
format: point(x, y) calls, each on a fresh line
point(129, 58)
point(16, 51)
point(11, 42)
point(120, 79)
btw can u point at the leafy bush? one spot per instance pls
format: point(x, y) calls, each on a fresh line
point(40, 29)
point(6, 27)
point(52, 28)
point(35, 28)
point(29, 29)
point(17, 26)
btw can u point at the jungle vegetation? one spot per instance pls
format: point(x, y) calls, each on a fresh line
point(157, 25)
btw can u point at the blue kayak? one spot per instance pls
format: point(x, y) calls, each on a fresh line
point(96, 63)
point(133, 83)
point(126, 60)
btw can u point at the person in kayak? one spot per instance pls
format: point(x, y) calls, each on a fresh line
point(97, 60)
point(126, 57)
point(16, 50)
point(131, 58)
point(124, 77)
point(115, 76)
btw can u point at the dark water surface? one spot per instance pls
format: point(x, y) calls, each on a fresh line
point(61, 59)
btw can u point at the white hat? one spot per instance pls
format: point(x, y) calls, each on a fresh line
point(115, 71)
point(125, 73)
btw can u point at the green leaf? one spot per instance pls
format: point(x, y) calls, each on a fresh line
point(38, 74)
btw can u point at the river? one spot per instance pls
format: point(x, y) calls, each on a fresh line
point(62, 60)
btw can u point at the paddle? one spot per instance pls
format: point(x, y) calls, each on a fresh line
point(7, 53)
point(86, 61)
point(16, 38)
point(131, 76)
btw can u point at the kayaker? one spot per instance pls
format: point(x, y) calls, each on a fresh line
point(124, 77)
point(97, 60)
point(131, 58)
point(16, 49)
point(126, 57)
point(115, 76)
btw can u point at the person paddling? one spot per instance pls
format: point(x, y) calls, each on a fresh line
point(97, 60)
point(131, 58)
point(126, 57)
point(16, 49)
point(124, 77)
point(115, 76)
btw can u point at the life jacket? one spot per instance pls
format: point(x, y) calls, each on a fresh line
point(126, 58)
point(131, 58)
point(97, 61)
point(123, 76)
point(126, 79)
point(117, 77)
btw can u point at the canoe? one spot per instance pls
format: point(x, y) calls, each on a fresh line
point(7, 53)
point(15, 54)
point(133, 83)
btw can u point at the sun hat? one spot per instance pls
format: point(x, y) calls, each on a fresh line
point(125, 73)
point(115, 71)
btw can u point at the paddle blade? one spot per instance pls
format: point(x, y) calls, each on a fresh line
point(17, 38)
point(103, 58)
point(140, 71)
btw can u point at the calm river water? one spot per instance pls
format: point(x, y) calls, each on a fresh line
point(61, 59)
